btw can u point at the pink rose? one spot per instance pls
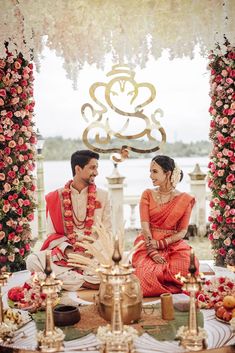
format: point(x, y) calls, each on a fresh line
point(26, 202)
point(7, 187)
point(6, 208)
point(12, 144)
point(1, 102)
point(17, 65)
point(2, 235)
point(224, 73)
point(30, 217)
point(229, 80)
point(15, 100)
point(227, 241)
point(225, 120)
point(11, 257)
point(2, 63)
point(27, 247)
point(2, 176)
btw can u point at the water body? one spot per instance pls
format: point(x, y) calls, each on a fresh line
point(135, 171)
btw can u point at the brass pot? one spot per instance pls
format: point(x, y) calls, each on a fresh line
point(131, 300)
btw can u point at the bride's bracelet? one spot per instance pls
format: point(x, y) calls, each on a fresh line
point(162, 244)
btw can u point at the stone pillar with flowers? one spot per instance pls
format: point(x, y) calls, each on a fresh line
point(222, 158)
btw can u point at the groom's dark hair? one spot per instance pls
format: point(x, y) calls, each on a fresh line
point(82, 158)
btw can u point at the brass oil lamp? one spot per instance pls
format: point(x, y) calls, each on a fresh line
point(116, 337)
point(51, 339)
point(192, 337)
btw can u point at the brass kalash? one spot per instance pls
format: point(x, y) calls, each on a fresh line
point(117, 338)
point(130, 292)
point(192, 337)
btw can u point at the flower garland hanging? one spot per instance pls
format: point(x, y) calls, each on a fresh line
point(83, 32)
point(17, 152)
point(222, 158)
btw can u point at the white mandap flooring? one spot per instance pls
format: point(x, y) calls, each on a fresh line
point(219, 334)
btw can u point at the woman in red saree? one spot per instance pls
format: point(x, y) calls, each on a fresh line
point(165, 214)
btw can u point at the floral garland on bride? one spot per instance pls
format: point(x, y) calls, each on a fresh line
point(88, 222)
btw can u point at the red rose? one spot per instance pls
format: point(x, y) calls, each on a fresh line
point(16, 294)
point(26, 286)
point(89, 223)
point(230, 285)
point(97, 204)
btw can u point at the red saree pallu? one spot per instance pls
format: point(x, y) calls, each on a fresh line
point(165, 220)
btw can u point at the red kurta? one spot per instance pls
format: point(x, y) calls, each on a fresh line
point(164, 221)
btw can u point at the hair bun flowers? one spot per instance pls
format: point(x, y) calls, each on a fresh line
point(175, 176)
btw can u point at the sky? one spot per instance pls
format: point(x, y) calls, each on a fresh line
point(182, 87)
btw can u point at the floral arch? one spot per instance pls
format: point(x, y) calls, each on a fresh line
point(83, 31)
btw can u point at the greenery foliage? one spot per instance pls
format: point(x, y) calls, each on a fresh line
point(58, 148)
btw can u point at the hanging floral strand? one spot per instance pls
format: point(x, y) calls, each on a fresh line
point(17, 153)
point(222, 158)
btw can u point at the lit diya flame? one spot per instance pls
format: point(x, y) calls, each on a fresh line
point(182, 279)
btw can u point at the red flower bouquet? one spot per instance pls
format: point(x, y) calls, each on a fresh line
point(29, 296)
point(214, 291)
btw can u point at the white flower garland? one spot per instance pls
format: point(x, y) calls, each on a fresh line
point(175, 176)
point(91, 29)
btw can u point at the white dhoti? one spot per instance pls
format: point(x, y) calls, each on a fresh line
point(71, 279)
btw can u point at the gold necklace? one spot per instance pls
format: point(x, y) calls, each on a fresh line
point(164, 192)
point(161, 194)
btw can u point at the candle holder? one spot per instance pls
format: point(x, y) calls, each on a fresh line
point(51, 339)
point(116, 337)
point(192, 337)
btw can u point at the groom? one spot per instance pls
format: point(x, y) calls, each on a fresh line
point(71, 212)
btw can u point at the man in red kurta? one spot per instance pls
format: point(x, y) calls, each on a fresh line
point(71, 213)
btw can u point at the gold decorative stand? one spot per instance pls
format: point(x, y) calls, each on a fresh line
point(51, 339)
point(192, 337)
point(116, 338)
point(6, 331)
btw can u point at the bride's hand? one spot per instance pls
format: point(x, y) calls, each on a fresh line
point(156, 257)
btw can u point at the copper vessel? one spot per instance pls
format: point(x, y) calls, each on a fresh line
point(131, 299)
